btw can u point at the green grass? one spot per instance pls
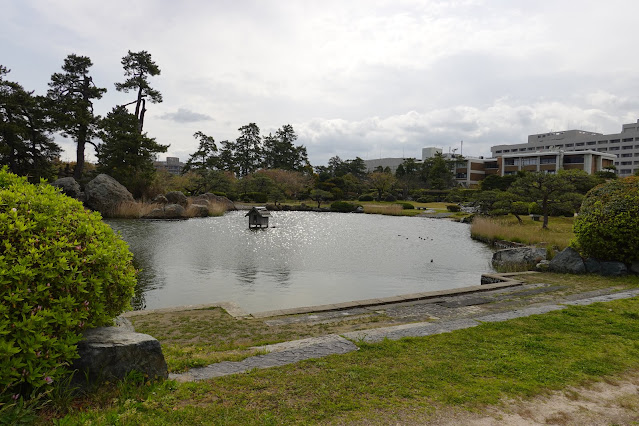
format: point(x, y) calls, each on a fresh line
point(466, 368)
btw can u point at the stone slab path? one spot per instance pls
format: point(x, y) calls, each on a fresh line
point(290, 352)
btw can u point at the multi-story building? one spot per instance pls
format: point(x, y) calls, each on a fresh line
point(624, 146)
point(172, 165)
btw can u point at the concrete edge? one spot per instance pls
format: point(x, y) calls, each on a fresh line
point(493, 282)
point(231, 308)
point(503, 281)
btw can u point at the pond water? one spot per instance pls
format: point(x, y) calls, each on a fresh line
point(302, 259)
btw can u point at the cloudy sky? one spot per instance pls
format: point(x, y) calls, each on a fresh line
point(365, 78)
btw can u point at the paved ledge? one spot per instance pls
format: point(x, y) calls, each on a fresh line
point(231, 308)
point(491, 282)
point(506, 282)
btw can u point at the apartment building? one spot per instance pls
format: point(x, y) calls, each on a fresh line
point(624, 145)
point(172, 165)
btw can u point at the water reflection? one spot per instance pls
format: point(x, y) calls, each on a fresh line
point(302, 259)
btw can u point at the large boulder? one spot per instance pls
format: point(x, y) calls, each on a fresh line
point(104, 194)
point(198, 210)
point(212, 198)
point(170, 211)
point(634, 267)
point(516, 257)
point(69, 187)
point(593, 266)
point(176, 197)
point(567, 261)
point(613, 269)
point(110, 353)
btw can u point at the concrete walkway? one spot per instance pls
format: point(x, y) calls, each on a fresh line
point(299, 350)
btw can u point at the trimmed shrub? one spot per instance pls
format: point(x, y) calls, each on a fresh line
point(607, 227)
point(366, 198)
point(343, 206)
point(390, 198)
point(426, 199)
point(561, 209)
point(535, 208)
point(62, 270)
point(407, 206)
point(453, 208)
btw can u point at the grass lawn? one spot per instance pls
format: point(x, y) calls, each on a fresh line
point(466, 368)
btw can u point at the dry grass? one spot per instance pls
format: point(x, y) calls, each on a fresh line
point(391, 209)
point(558, 234)
point(138, 209)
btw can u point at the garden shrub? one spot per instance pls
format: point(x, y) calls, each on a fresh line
point(62, 270)
point(561, 209)
point(607, 227)
point(406, 206)
point(390, 198)
point(426, 199)
point(343, 206)
point(366, 198)
point(453, 208)
point(535, 209)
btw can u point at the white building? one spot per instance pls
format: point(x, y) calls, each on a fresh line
point(624, 145)
point(393, 163)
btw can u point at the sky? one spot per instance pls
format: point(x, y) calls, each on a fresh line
point(355, 78)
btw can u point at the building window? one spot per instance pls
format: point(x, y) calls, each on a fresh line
point(624, 171)
point(548, 160)
point(506, 150)
point(626, 163)
point(602, 149)
point(614, 148)
point(614, 140)
point(569, 145)
point(626, 147)
point(511, 161)
point(580, 144)
point(498, 151)
point(522, 149)
point(573, 159)
point(590, 143)
point(626, 155)
point(628, 140)
point(636, 154)
point(602, 142)
point(492, 165)
point(529, 161)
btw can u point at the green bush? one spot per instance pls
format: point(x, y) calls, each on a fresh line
point(561, 209)
point(406, 206)
point(520, 207)
point(453, 208)
point(343, 206)
point(62, 270)
point(607, 227)
point(390, 198)
point(535, 209)
point(366, 198)
point(426, 199)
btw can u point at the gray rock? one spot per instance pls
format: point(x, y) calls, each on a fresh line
point(634, 267)
point(568, 261)
point(529, 256)
point(160, 199)
point(104, 194)
point(110, 353)
point(176, 197)
point(69, 187)
point(212, 198)
point(198, 210)
point(170, 211)
point(593, 266)
point(613, 269)
point(542, 266)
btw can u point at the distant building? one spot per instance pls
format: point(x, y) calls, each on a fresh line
point(625, 145)
point(172, 165)
point(393, 163)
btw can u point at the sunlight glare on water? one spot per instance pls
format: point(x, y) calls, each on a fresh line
point(302, 259)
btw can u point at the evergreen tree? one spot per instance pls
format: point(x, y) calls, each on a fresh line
point(138, 67)
point(125, 154)
point(205, 157)
point(71, 94)
point(26, 146)
point(281, 153)
point(248, 149)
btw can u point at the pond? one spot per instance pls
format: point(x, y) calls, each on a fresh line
point(302, 259)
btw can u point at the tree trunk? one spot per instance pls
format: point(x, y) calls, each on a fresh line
point(79, 164)
point(545, 209)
